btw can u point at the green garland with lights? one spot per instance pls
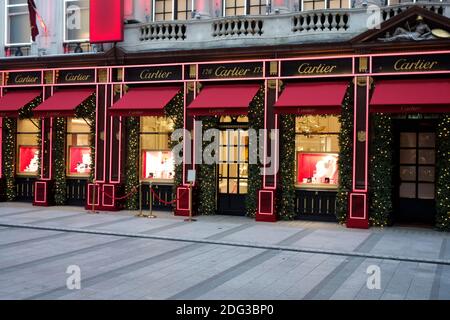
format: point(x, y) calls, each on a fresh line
point(132, 126)
point(9, 151)
point(345, 156)
point(381, 171)
point(27, 113)
point(286, 189)
point(86, 110)
point(175, 111)
point(443, 174)
point(256, 122)
point(206, 195)
point(59, 163)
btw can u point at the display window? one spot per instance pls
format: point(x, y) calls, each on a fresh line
point(78, 148)
point(27, 147)
point(317, 151)
point(157, 161)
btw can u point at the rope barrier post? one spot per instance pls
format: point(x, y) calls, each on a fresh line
point(93, 198)
point(150, 205)
point(190, 205)
point(140, 199)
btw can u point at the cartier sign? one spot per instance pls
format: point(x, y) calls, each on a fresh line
point(230, 70)
point(76, 76)
point(159, 73)
point(316, 67)
point(411, 63)
point(24, 78)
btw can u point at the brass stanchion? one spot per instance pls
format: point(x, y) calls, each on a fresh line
point(189, 219)
point(150, 205)
point(141, 214)
point(93, 199)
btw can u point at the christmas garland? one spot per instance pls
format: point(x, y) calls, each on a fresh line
point(345, 156)
point(443, 174)
point(286, 190)
point(59, 164)
point(86, 110)
point(207, 176)
point(256, 122)
point(27, 113)
point(175, 111)
point(9, 151)
point(132, 126)
point(381, 171)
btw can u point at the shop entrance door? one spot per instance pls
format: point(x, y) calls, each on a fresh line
point(232, 178)
point(415, 174)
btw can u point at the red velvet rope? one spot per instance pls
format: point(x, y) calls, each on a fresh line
point(135, 189)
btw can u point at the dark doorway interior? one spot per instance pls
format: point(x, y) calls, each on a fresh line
point(415, 171)
point(232, 177)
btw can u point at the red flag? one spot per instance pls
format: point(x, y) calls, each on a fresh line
point(33, 25)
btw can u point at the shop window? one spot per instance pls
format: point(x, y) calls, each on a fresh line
point(163, 10)
point(78, 147)
point(317, 151)
point(76, 20)
point(18, 30)
point(157, 160)
point(27, 147)
point(183, 9)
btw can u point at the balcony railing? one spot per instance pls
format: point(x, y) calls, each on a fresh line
point(297, 27)
point(17, 51)
point(321, 21)
point(239, 26)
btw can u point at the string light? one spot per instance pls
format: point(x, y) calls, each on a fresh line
point(59, 164)
point(256, 122)
point(443, 174)
point(345, 160)
point(9, 166)
point(381, 171)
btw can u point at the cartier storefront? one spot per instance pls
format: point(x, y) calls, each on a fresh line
point(356, 134)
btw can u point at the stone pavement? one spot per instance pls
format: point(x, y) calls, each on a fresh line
point(217, 257)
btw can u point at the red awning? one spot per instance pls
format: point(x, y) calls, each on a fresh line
point(411, 96)
point(145, 101)
point(13, 101)
point(312, 98)
point(62, 103)
point(232, 99)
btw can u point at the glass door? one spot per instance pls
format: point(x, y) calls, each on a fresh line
point(232, 171)
point(416, 175)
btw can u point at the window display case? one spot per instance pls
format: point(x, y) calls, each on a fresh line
point(28, 160)
point(317, 170)
point(157, 165)
point(79, 161)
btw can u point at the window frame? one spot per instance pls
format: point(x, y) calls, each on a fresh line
point(68, 146)
point(154, 11)
point(65, 40)
point(246, 7)
point(177, 12)
point(7, 25)
point(142, 150)
point(17, 147)
point(326, 5)
point(318, 186)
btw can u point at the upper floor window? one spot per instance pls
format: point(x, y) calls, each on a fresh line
point(243, 7)
point(76, 20)
point(17, 24)
point(163, 10)
point(183, 9)
point(325, 4)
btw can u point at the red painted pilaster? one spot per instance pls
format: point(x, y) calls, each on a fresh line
point(358, 216)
